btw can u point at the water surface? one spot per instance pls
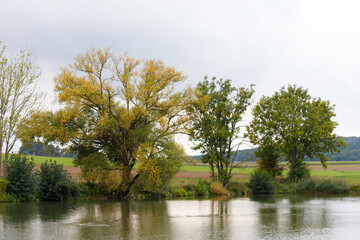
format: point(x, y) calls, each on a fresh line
point(263, 217)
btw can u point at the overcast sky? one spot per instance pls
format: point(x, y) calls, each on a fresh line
point(271, 43)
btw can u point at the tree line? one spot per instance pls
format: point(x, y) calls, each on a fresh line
point(350, 153)
point(47, 150)
point(118, 111)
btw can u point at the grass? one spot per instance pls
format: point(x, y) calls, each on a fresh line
point(351, 176)
point(61, 160)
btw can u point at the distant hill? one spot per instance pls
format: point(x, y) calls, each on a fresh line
point(351, 153)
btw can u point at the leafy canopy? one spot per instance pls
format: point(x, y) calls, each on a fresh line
point(125, 109)
point(215, 115)
point(294, 125)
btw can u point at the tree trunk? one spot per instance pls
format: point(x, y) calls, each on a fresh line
point(5, 164)
point(212, 171)
point(0, 158)
point(126, 182)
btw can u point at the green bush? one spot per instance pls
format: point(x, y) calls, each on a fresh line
point(3, 185)
point(55, 183)
point(23, 180)
point(261, 183)
point(202, 188)
point(355, 189)
point(179, 192)
point(322, 185)
point(298, 171)
point(284, 187)
point(238, 188)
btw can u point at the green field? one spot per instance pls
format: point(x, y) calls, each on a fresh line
point(39, 159)
point(351, 176)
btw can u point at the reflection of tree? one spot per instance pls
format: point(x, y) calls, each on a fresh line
point(54, 211)
point(297, 211)
point(15, 218)
point(218, 228)
point(128, 219)
point(18, 213)
point(268, 214)
point(153, 219)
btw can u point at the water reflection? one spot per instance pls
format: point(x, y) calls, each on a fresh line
point(259, 217)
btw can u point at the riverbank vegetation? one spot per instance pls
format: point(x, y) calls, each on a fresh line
point(59, 185)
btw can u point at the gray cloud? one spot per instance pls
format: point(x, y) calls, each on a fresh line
point(314, 44)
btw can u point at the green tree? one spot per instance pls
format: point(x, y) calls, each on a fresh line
point(294, 125)
point(117, 107)
point(215, 115)
point(22, 177)
point(268, 160)
point(55, 183)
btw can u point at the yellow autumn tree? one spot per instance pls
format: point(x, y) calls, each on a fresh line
point(124, 109)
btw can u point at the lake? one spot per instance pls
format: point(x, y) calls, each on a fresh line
point(261, 217)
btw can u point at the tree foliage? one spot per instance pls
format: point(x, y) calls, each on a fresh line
point(22, 177)
point(123, 108)
point(18, 97)
point(40, 149)
point(268, 160)
point(295, 126)
point(215, 115)
point(55, 183)
point(158, 171)
point(261, 183)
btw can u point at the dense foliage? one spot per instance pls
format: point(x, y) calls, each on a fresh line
point(296, 126)
point(156, 175)
point(55, 184)
point(323, 185)
point(261, 182)
point(215, 115)
point(41, 149)
point(123, 108)
point(23, 181)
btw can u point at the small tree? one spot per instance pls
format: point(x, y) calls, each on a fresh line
point(55, 182)
point(23, 180)
point(296, 126)
point(18, 97)
point(215, 115)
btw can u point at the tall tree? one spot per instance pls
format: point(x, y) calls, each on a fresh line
point(124, 109)
point(294, 125)
point(18, 97)
point(215, 115)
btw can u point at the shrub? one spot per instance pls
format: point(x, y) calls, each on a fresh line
point(202, 188)
point(284, 187)
point(323, 185)
point(355, 189)
point(261, 183)
point(179, 192)
point(23, 180)
point(55, 183)
point(3, 185)
point(238, 188)
point(298, 171)
point(217, 188)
